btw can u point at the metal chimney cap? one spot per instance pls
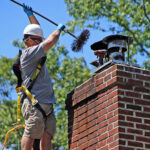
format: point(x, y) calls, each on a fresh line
point(111, 38)
point(107, 42)
point(100, 45)
point(117, 41)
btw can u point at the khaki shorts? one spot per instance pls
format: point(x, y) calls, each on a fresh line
point(35, 124)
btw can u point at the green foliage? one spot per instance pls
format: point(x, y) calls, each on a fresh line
point(7, 77)
point(8, 111)
point(126, 17)
point(66, 73)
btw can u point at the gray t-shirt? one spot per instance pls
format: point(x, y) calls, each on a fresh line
point(42, 89)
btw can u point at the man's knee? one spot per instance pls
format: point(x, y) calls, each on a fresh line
point(47, 136)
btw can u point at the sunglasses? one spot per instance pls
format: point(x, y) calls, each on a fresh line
point(36, 40)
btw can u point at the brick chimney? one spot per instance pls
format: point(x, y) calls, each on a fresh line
point(111, 110)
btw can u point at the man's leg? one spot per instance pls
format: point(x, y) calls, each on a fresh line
point(26, 143)
point(45, 143)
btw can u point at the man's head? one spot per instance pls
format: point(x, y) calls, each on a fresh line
point(33, 35)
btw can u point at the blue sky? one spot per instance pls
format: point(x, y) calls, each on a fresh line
point(14, 20)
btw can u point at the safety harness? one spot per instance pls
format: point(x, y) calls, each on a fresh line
point(27, 91)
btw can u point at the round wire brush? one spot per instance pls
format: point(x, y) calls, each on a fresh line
point(78, 43)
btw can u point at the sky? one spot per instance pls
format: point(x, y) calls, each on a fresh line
point(14, 20)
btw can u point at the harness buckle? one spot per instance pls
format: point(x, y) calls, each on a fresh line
point(34, 102)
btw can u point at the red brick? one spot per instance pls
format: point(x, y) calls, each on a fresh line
point(113, 131)
point(121, 105)
point(101, 118)
point(82, 134)
point(113, 119)
point(146, 109)
point(121, 117)
point(133, 94)
point(132, 119)
point(101, 143)
point(83, 146)
point(101, 87)
point(82, 128)
point(125, 86)
point(93, 141)
point(126, 124)
point(99, 81)
point(112, 81)
point(122, 142)
point(121, 129)
point(147, 134)
point(141, 77)
point(83, 140)
point(135, 82)
point(83, 122)
point(125, 99)
point(109, 139)
point(102, 130)
point(103, 136)
point(113, 106)
point(103, 124)
point(146, 121)
point(142, 126)
point(73, 145)
point(92, 135)
point(121, 92)
point(91, 124)
point(74, 139)
point(125, 112)
point(104, 148)
point(93, 129)
point(124, 74)
point(143, 139)
point(93, 147)
point(143, 115)
point(125, 148)
point(147, 146)
point(135, 144)
point(107, 77)
point(126, 136)
point(135, 131)
point(100, 75)
point(113, 144)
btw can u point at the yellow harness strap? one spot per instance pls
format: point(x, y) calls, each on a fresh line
point(28, 93)
point(38, 69)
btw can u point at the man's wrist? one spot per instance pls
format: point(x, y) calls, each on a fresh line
point(60, 27)
point(30, 13)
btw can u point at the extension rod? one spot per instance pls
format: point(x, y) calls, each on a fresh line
point(65, 30)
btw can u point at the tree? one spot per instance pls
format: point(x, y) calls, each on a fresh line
point(66, 73)
point(126, 17)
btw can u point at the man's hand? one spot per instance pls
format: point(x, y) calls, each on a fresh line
point(27, 10)
point(60, 27)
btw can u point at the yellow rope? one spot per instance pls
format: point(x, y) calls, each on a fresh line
point(33, 100)
point(18, 127)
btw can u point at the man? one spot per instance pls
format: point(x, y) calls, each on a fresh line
point(36, 125)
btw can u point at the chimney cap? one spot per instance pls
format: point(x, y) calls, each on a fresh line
point(112, 41)
point(110, 38)
point(99, 45)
